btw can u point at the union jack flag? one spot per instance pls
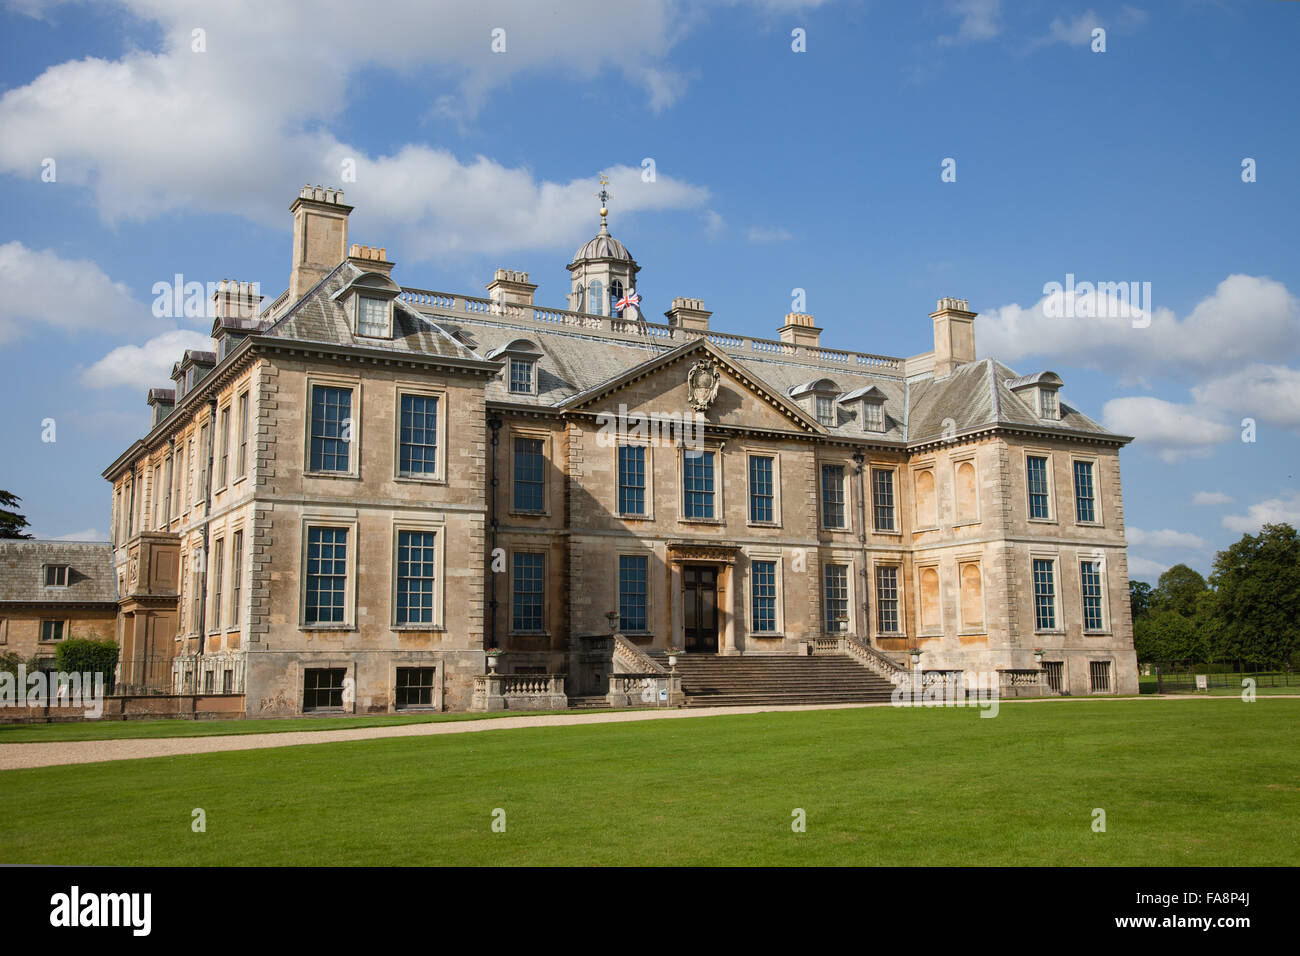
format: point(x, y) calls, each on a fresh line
point(631, 300)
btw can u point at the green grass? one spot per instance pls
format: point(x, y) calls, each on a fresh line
point(138, 729)
point(1181, 783)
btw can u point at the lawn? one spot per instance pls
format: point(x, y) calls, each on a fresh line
point(1181, 783)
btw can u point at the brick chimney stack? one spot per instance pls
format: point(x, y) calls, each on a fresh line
point(236, 300)
point(320, 237)
point(799, 330)
point(954, 335)
point(370, 259)
point(509, 287)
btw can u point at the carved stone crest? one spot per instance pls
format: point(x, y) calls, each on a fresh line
point(702, 383)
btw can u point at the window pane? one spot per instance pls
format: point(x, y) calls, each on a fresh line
point(835, 588)
point(874, 413)
point(763, 582)
point(418, 453)
point(331, 414)
point(1038, 499)
point(697, 475)
point(631, 479)
point(761, 491)
point(529, 474)
point(882, 499)
point(887, 600)
point(1090, 573)
point(833, 496)
point(372, 316)
point(327, 575)
point(1084, 501)
point(521, 377)
point(415, 576)
point(526, 596)
point(632, 578)
point(1044, 595)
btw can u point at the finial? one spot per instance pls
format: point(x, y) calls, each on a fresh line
point(604, 197)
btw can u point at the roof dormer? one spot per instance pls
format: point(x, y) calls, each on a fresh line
point(520, 360)
point(870, 402)
point(818, 398)
point(368, 301)
point(1041, 392)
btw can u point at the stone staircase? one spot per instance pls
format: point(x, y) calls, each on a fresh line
point(590, 702)
point(752, 680)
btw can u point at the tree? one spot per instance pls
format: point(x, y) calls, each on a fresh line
point(1139, 598)
point(11, 522)
point(1164, 635)
point(1179, 589)
point(1257, 596)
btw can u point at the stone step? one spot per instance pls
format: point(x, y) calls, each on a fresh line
point(713, 681)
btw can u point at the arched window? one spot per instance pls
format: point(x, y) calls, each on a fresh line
point(972, 597)
point(931, 619)
point(579, 298)
point(596, 298)
point(615, 293)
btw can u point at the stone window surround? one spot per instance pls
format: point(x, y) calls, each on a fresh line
point(1054, 556)
point(887, 561)
point(64, 633)
point(869, 506)
point(1100, 559)
point(717, 446)
point(436, 390)
point(332, 380)
point(649, 513)
point(244, 400)
point(1095, 461)
point(435, 522)
point(849, 561)
point(398, 660)
point(329, 518)
point(776, 556)
point(850, 468)
point(647, 553)
point(1034, 452)
point(514, 431)
point(758, 451)
point(510, 593)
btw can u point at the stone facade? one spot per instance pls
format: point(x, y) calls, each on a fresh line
point(885, 500)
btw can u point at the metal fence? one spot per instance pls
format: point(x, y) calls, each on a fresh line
point(211, 674)
point(1181, 677)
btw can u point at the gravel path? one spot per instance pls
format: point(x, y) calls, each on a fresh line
point(18, 756)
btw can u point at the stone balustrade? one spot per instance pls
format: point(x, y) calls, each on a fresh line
point(519, 692)
point(645, 690)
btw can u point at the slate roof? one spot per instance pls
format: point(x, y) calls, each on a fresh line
point(90, 572)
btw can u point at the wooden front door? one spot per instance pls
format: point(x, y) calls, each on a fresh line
point(700, 608)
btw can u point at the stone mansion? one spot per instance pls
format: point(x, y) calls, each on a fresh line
point(362, 488)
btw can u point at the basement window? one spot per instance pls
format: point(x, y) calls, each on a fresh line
point(322, 688)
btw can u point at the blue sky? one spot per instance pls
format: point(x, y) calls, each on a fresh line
point(775, 170)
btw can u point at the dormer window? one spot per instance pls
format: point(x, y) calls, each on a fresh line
point(1047, 404)
point(871, 407)
point(826, 410)
point(873, 417)
point(520, 371)
point(819, 397)
point(56, 575)
point(1040, 392)
point(368, 300)
point(373, 317)
point(521, 376)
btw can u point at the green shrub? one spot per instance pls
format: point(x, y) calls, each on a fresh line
point(81, 655)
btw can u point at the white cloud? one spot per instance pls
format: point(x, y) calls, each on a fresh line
point(1173, 431)
point(137, 130)
point(145, 366)
point(1246, 319)
point(979, 21)
point(1145, 569)
point(768, 234)
point(714, 224)
point(87, 300)
point(1164, 538)
point(1211, 498)
point(1283, 509)
point(1268, 393)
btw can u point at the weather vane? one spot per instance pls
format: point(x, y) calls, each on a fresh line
point(604, 197)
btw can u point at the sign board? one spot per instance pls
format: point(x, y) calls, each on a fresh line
point(663, 693)
point(1202, 681)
